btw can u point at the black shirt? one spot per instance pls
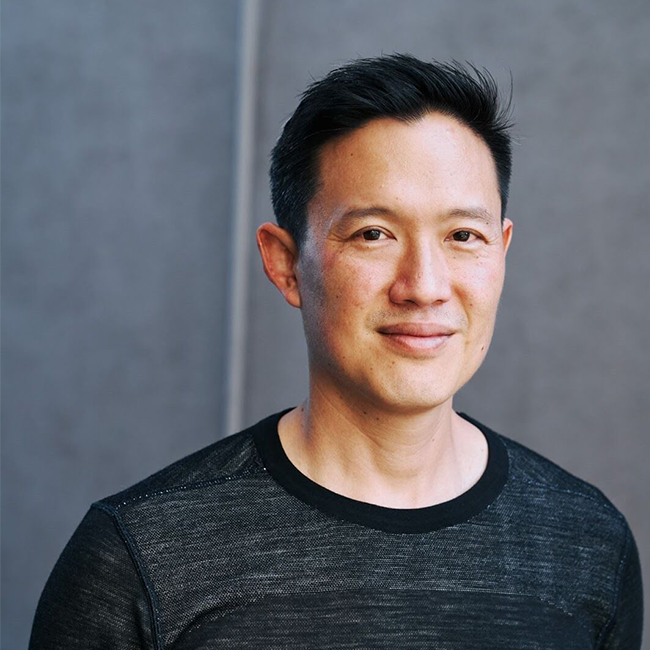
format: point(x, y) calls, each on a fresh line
point(233, 547)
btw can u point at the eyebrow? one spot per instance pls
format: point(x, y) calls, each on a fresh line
point(474, 213)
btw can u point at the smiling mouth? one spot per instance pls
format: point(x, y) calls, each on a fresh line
point(426, 345)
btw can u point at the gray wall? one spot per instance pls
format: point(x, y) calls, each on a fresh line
point(117, 124)
point(118, 187)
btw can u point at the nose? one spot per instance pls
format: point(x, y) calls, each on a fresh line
point(423, 276)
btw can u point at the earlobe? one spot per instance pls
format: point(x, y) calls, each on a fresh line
point(279, 255)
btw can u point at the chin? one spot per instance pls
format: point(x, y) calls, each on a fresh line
point(416, 400)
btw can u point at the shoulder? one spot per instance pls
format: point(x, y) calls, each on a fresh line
point(581, 551)
point(544, 484)
point(108, 567)
point(539, 491)
point(531, 467)
point(223, 461)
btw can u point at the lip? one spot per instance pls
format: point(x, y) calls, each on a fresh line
point(421, 346)
point(417, 329)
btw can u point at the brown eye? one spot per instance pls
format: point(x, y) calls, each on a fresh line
point(374, 234)
point(465, 234)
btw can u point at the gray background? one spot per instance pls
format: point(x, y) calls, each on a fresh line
point(131, 194)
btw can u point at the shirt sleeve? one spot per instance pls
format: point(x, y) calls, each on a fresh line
point(95, 597)
point(625, 628)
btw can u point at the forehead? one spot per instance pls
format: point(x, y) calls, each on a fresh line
point(433, 163)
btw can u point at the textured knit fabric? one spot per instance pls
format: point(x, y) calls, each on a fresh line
point(232, 547)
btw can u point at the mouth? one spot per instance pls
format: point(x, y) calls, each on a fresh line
point(416, 329)
point(417, 345)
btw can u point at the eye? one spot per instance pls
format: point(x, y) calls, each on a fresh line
point(373, 234)
point(465, 235)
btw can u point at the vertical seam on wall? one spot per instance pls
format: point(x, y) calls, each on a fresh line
point(241, 215)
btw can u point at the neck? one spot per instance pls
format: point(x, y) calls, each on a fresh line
point(372, 453)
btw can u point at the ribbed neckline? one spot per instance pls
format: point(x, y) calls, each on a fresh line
point(392, 520)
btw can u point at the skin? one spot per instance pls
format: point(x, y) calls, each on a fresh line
point(378, 424)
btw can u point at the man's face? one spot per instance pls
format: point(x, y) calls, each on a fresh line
point(388, 243)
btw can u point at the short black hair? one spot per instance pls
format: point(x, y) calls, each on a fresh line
point(398, 86)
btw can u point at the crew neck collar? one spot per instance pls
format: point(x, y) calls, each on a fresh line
point(393, 520)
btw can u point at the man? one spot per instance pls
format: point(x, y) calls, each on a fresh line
point(372, 515)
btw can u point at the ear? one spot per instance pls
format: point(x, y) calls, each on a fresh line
point(507, 235)
point(279, 257)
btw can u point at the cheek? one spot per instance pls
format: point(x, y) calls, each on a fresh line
point(481, 290)
point(336, 305)
point(351, 284)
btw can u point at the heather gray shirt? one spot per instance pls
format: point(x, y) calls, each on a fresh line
point(232, 547)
